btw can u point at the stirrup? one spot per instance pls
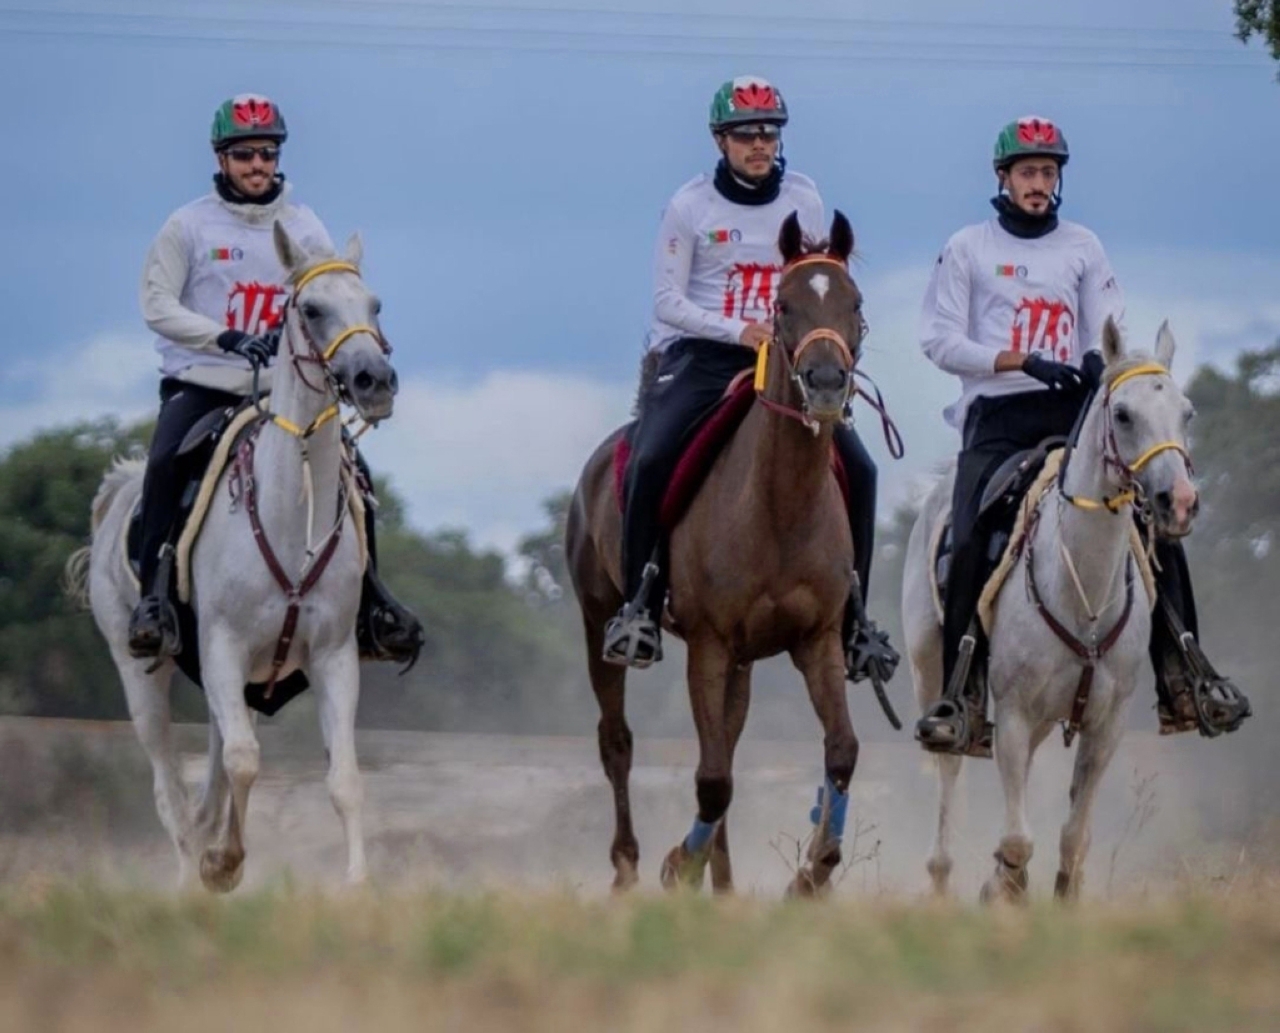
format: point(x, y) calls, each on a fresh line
point(869, 645)
point(153, 630)
point(632, 640)
point(1219, 706)
point(385, 629)
point(957, 723)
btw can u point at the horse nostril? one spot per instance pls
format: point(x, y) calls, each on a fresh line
point(363, 381)
point(394, 381)
point(825, 378)
point(1164, 501)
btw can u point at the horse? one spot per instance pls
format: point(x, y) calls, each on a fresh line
point(1067, 637)
point(759, 564)
point(271, 593)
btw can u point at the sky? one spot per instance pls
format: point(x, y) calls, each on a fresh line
point(506, 164)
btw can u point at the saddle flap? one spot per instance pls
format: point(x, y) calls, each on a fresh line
point(206, 429)
point(1016, 474)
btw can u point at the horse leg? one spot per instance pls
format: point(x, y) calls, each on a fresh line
point(736, 701)
point(609, 682)
point(708, 674)
point(939, 864)
point(1013, 748)
point(1097, 747)
point(213, 808)
point(337, 676)
point(821, 660)
point(225, 673)
point(147, 696)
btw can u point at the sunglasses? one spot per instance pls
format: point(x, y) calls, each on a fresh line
point(749, 134)
point(267, 154)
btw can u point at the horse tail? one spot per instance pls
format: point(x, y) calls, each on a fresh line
point(75, 575)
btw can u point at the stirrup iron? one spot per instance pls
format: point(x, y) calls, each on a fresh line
point(633, 638)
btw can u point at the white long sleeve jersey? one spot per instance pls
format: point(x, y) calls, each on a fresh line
point(716, 263)
point(214, 267)
point(991, 292)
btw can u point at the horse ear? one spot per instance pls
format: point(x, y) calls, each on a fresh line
point(841, 245)
point(355, 250)
point(1165, 345)
point(1112, 342)
point(791, 238)
point(287, 250)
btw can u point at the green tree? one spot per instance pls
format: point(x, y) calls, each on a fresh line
point(1259, 18)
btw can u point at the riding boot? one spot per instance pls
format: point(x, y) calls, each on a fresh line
point(385, 628)
point(868, 650)
point(1190, 693)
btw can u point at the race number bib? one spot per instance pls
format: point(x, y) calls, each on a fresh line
point(255, 307)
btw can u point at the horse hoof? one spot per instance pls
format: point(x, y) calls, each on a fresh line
point(625, 876)
point(809, 884)
point(221, 870)
point(680, 869)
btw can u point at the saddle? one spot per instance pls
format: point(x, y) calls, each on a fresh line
point(705, 442)
point(1013, 493)
point(205, 453)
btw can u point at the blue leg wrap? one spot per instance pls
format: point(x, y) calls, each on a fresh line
point(839, 809)
point(699, 836)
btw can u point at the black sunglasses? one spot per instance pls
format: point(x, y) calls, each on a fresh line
point(749, 134)
point(246, 153)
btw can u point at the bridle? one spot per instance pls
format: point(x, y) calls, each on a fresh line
point(791, 365)
point(1130, 489)
point(791, 357)
point(316, 355)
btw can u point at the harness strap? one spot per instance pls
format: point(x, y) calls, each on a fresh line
point(1090, 656)
point(294, 593)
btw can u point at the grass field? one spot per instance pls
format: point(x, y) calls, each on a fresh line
point(77, 957)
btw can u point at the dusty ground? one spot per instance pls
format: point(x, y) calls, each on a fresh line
point(458, 811)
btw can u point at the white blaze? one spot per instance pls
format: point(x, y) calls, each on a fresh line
point(821, 283)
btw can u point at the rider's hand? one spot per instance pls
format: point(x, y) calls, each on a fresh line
point(247, 346)
point(1091, 369)
point(754, 334)
point(1058, 376)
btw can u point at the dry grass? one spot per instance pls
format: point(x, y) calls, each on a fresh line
point(79, 957)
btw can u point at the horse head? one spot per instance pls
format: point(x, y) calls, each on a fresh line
point(818, 325)
point(336, 317)
point(1144, 428)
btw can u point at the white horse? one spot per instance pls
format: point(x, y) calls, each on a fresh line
point(1077, 561)
point(331, 351)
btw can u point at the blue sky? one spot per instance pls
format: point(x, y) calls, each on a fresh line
point(506, 164)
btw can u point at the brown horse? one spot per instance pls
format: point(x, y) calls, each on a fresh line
point(760, 564)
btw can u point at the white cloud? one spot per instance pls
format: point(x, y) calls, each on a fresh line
point(483, 453)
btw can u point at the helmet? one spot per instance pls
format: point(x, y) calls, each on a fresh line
point(250, 116)
point(747, 99)
point(1030, 137)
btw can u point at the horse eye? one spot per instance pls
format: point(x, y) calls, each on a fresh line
point(1122, 417)
point(1188, 415)
point(312, 311)
point(783, 308)
point(377, 306)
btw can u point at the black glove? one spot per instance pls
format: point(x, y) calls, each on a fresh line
point(1091, 369)
point(247, 346)
point(1057, 375)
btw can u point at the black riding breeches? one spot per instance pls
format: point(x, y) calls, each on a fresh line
point(995, 429)
point(181, 407)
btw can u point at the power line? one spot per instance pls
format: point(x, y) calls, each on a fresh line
point(589, 41)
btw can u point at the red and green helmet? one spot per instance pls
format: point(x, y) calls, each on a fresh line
point(745, 100)
point(250, 116)
point(1030, 137)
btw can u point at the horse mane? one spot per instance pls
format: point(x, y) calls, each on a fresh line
point(123, 470)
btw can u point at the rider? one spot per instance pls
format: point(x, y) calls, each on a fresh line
point(1015, 308)
point(716, 272)
point(214, 290)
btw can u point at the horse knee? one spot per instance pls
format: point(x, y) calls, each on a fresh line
point(346, 790)
point(240, 761)
point(714, 795)
point(1015, 851)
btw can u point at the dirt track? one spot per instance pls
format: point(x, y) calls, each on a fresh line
point(461, 810)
